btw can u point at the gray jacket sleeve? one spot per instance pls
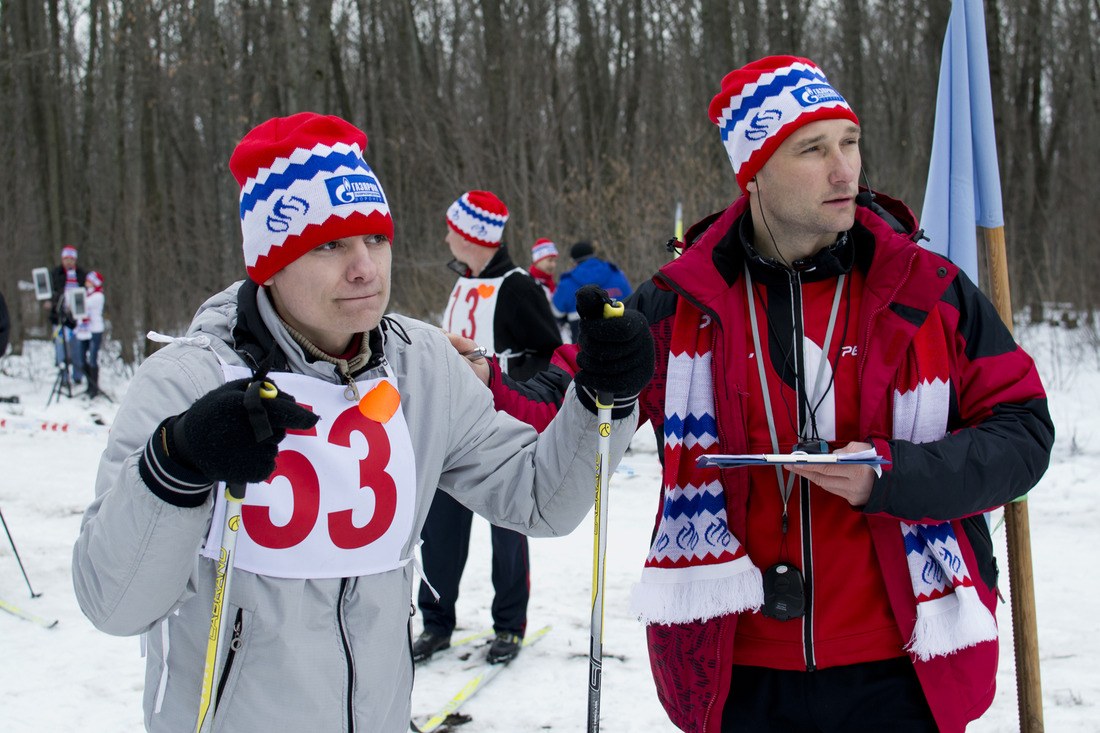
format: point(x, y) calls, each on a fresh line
point(133, 559)
point(501, 468)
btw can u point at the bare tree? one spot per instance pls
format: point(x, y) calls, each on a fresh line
point(588, 117)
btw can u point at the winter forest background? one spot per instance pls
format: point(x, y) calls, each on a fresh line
point(588, 117)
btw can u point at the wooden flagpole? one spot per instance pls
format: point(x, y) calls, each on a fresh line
point(1025, 635)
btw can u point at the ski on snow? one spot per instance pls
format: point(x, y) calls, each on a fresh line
point(485, 673)
point(27, 615)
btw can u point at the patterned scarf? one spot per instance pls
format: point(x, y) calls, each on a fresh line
point(950, 615)
point(697, 570)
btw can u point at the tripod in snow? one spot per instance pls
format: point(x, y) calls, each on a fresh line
point(64, 381)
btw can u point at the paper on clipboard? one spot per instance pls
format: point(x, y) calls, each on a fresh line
point(867, 457)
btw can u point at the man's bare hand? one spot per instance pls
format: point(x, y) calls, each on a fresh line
point(848, 481)
point(474, 356)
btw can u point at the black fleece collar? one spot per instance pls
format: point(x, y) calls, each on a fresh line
point(853, 247)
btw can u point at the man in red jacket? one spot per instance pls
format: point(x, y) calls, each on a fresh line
point(805, 318)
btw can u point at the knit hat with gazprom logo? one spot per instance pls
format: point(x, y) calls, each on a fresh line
point(304, 183)
point(762, 103)
point(478, 216)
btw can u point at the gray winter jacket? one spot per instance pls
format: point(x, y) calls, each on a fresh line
point(314, 655)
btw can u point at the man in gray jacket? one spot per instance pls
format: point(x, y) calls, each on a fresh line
point(340, 476)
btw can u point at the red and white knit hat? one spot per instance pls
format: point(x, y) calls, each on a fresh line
point(69, 251)
point(304, 183)
point(762, 103)
point(478, 216)
point(93, 281)
point(541, 250)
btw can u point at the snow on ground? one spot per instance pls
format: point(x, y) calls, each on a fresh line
point(55, 679)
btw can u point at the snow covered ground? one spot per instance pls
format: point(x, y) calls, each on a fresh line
point(72, 676)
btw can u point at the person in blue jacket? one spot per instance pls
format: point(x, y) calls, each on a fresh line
point(587, 269)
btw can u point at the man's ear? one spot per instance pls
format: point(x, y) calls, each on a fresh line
point(750, 187)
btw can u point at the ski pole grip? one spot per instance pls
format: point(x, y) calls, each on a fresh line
point(257, 415)
point(261, 426)
point(611, 309)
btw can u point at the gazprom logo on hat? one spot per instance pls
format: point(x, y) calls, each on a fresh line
point(352, 189)
point(812, 94)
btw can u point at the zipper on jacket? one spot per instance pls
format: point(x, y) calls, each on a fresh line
point(347, 654)
point(801, 400)
point(234, 645)
point(807, 575)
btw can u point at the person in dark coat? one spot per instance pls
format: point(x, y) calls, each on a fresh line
point(64, 278)
point(500, 307)
point(5, 326)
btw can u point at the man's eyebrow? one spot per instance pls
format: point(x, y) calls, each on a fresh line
point(808, 140)
point(852, 129)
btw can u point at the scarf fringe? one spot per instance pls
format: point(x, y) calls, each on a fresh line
point(946, 625)
point(664, 596)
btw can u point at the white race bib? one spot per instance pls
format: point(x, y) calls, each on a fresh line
point(341, 500)
point(472, 308)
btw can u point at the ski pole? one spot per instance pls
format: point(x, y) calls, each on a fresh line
point(219, 619)
point(604, 402)
point(17, 558)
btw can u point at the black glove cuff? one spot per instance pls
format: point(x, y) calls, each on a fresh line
point(171, 480)
point(621, 407)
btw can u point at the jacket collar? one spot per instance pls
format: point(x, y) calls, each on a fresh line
point(714, 254)
point(500, 264)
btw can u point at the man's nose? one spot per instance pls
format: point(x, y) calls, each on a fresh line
point(360, 263)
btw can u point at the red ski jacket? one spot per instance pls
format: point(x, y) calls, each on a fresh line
point(997, 446)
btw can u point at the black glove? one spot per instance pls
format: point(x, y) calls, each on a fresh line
point(616, 354)
point(230, 434)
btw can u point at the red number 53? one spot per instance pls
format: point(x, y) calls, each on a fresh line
point(301, 474)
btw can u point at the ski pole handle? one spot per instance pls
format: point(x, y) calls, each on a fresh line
point(611, 309)
point(604, 403)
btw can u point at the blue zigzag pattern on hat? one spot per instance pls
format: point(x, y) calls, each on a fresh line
point(695, 425)
point(300, 171)
point(693, 506)
point(490, 220)
point(752, 102)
